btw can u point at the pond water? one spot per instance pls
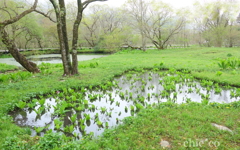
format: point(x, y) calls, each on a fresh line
point(91, 111)
point(49, 58)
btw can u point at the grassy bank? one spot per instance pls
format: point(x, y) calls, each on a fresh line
point(30, 53)
point(54, 51)
point(5, 68)
point(147, 128)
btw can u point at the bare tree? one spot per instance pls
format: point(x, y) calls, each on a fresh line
point(156, 21)
point(91, 26)
point(13, 17)
point(138, 12)
point(214, 20)
point(162, 24)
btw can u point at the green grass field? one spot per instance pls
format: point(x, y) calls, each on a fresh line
point(178, 124)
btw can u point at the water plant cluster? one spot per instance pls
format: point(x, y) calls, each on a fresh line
point(14, 77)
point(232, 63)
point(90, 110)
point(46, 69)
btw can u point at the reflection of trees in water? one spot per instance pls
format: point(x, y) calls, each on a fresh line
point(68, 122)
point(21, 118)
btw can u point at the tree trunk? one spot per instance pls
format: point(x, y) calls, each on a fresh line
point(60, 15)
point(39, 43)
point(63, 50)
point(11, 46)
point(64, 34)
point(75, 38)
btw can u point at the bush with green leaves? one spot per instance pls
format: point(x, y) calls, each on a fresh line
point(232, 62)
point(49, 141)
point(223, 64)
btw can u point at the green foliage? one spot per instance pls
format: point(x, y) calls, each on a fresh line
point(4, 78)
point(49, 141)
point(223, 64)
point(231, 62)
point(14, 142)
point(21, 104)
point(219, 73)
point(5, 67)
point(93, 65)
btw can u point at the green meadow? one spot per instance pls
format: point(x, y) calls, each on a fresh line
point(184, 126)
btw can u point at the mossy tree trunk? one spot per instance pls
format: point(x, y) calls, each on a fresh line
point(10, 43)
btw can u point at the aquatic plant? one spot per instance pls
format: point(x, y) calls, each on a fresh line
point(151, 87)
point(109, 114)
point(223, 64)
point(126, 109)
point(81, 121)
point(164, 93)
point(96, 117)
point(198, 90)
point(141, 99)
point(121, 95)
point(82, 127)
point(57, 124)
point(232, 93)
point(233, 63)
point(79, 108)
point(139, 106)
point(109, 95)
point(208, 89)
point(149, 96)
point(30, 105)
point(103, 109)
point(39, 111)
point(42, 101)
point(69, 129)
point(87, 117)
point(99, 123)
point(205, 101)
point(188, 100)
point(93, 107)
point(149, 78)
point(83, 90)
point(85, 102)
point(132, 108)
point(21, 104)
point(106, 125)
point(117, 103)
point(190, 90)
point(219, 73)
point(218, 90)
point(73, 118)
point(39, 129)
point(175, 94)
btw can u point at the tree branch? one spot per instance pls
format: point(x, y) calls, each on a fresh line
point(86, 3)
point(18, 17)
point(45, 15)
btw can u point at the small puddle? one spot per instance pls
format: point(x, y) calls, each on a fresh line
point(90, 112)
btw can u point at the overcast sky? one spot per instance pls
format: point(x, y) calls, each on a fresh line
point(175, 3)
